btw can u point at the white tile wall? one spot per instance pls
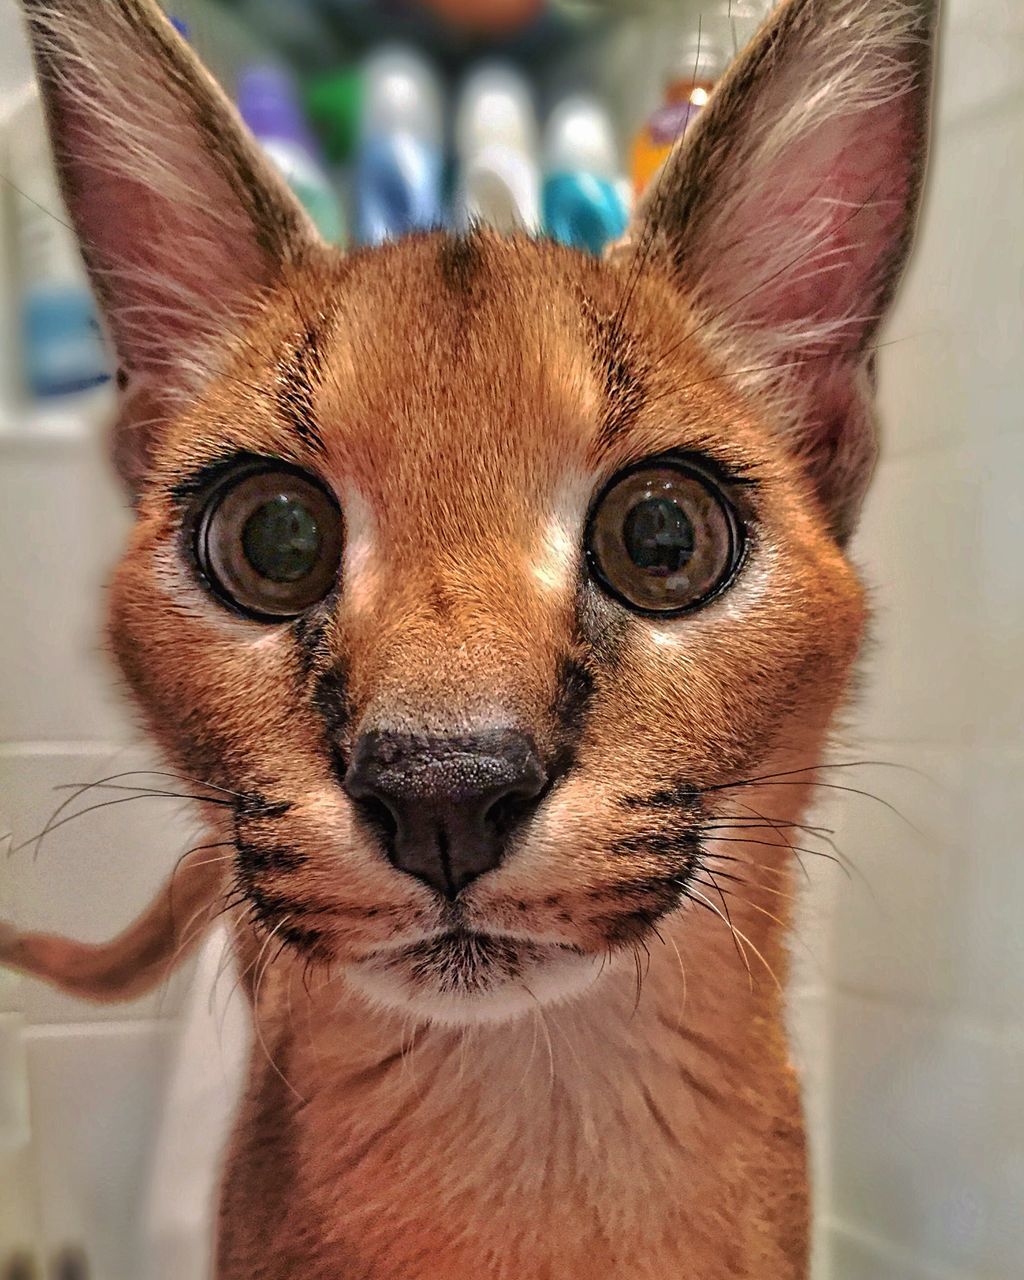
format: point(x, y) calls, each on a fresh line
point(926, 973)
point(61, 518)
point(72, 1164)
point(988, 979)
point(925, 1127)
point(891, 936)
point(95, 1093)
point(860, 1257)
point(92, 875)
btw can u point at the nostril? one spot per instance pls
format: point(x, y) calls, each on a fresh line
point(510, 809)
point(377, 813)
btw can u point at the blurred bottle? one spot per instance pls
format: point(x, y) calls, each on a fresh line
point(586, 197)
point(269, 104)
point(496, 142)
point(334, 101)
point(697, 63)
point(400, 157)
point(300, 33)
point(62, 343)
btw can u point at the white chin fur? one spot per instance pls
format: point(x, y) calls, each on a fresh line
point(392, 986)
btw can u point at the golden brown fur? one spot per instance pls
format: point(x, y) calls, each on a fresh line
point(417, 1108)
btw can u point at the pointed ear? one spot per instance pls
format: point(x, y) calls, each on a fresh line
point(787, 213)
point(181, 221)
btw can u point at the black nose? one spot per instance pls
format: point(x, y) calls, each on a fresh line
point(446, 804)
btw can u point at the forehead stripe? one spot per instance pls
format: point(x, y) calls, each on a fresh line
point(619, 372)
point(297, 379)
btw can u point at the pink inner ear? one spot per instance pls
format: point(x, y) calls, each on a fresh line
point(172, 262)
point(845, 223)
point(181, 221)
point(814, 198)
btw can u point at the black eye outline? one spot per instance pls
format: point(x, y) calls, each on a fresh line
point(704, 472)
point(223, 481)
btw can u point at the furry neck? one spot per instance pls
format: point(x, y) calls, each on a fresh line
point(589, 1138)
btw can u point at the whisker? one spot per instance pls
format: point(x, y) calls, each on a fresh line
point(80, 788)
point(148, 791)
point(199, 848)
point(106, 804)
point(157, 773)
point(829, 786)
point(822, 768)
point(793, 848)
point(746, 902)
point(706, 902)
point(739, 934)
point(751, 884)
point(725, 905)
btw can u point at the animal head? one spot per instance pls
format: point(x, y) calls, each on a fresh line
point(472, 569)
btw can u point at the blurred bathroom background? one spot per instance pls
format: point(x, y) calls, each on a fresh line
point(907, 995)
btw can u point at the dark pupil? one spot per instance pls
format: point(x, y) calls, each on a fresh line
point(281, 540)
point(658, 535)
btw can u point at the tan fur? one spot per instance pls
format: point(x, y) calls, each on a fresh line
point(465, 399)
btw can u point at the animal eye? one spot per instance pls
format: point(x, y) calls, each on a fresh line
point(663, 539)
point(269, 542)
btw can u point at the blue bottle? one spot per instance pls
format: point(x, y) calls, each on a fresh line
point(63, 349)
point(400, 155)
point(586, 197)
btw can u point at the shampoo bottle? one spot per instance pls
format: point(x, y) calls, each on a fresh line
point(400, 154)
point(586, 197)
point(695, 66)
point(496, 141)
point(62, 343)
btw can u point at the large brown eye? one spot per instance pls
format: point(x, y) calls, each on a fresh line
point(269, 542)
point(663, 539)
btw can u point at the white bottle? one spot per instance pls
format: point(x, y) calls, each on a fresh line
point(496, 143)
point(62, 346)
point(400, 158)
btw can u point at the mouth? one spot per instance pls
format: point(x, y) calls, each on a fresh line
point(463, 977)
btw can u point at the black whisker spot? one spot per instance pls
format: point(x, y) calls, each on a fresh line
point(310, 632)
point(683, 797)
point(681, 845)
point(310, 941)
point(255, 859)
point(254, 806)
point(574, 695)
point(334, 707)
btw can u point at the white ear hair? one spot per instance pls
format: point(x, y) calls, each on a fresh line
point(787, 214)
